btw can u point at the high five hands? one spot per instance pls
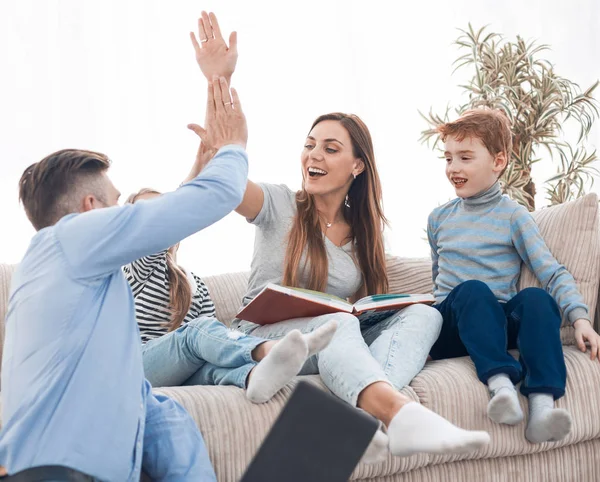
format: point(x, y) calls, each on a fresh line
point(225, 122)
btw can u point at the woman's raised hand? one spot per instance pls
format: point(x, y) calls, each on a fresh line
point(212, 53)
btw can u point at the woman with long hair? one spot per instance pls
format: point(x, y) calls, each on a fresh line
point(329, 237)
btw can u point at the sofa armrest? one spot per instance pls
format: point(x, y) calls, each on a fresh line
point(6, 272)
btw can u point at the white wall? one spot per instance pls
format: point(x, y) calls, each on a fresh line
point(120, 77)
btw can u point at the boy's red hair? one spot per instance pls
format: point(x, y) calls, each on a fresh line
point(490, 126)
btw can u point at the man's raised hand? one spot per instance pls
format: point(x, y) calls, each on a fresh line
point(225, 120)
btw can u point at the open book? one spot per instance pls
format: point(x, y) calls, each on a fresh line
point(277, 303)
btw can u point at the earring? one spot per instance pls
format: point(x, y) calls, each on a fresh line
point(347, 201)
point(354, 175)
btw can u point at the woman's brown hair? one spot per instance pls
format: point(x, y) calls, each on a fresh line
point(365, 217)
point(180, 291)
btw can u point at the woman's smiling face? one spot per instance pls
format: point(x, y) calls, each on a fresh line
point(328, 161)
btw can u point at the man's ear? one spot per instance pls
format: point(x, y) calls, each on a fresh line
point(88, 203)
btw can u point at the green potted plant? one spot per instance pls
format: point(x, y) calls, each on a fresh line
point(511, 75)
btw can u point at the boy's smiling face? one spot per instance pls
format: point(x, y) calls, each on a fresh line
point(470, 167)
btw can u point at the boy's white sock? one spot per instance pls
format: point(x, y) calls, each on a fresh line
point(415, 429)
point(504, 406)
point(285, 360)
point(546, 423)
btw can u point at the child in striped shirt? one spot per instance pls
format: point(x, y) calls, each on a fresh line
point(184, 344)
point(478, 242)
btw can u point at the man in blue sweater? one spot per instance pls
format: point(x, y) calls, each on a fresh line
point(75, 403)
point(478, 242)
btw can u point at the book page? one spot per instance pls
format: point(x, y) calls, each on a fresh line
point(322, 296)
point(383, 302)
point(376, 298)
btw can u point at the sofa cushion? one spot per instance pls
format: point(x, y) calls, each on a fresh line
point(573, 463)
point(409, 275)
point(233, 428)
point(451, 388)
point(572, 234)
point(227, 292)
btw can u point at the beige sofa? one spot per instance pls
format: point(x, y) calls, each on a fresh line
point(234, 428)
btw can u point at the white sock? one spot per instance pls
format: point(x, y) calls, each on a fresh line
point(285, 360)
point(504, 406)
point(320, 338)
point(415, 429)
point(546, 423)
point(378, 450)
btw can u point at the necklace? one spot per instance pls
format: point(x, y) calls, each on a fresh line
point(327, 223)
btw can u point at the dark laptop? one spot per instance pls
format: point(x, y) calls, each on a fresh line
point(316, 438)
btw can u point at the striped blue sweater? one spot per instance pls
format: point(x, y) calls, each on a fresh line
point(485, 238)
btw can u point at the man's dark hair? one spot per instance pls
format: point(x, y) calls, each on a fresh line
point(55, 186)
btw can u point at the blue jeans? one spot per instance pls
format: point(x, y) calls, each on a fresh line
point(394, 350)
point(478, 325)
point(224, 355)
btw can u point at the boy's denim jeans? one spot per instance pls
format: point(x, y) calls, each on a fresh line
point(478, 325)
point(393, 350)
point(224, 355)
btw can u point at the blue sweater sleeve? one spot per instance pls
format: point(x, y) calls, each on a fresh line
point(101, 241)
point(553, 276)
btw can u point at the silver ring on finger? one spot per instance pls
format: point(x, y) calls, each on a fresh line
point(204, 40)
point(227, 103)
